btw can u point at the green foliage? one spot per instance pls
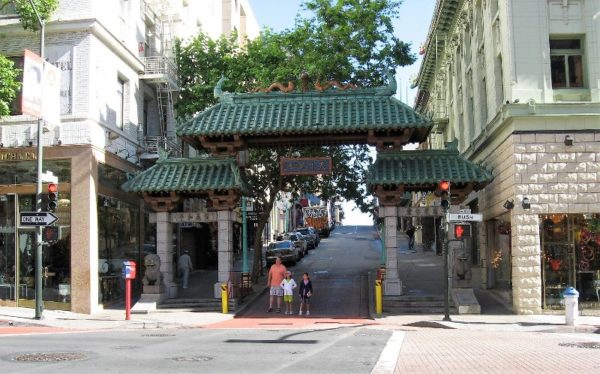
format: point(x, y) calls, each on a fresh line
point(345, 40)
point(26, 13)
point(8, 84)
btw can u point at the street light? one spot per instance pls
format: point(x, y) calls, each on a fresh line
point(39, 303)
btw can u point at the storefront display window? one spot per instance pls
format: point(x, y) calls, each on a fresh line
point(570, 256)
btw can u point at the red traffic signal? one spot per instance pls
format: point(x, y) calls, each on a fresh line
point(52, 197)
point(444, 186)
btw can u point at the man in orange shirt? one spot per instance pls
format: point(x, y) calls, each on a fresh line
point(276, 275)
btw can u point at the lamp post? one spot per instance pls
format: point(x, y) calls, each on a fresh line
point(39, 303)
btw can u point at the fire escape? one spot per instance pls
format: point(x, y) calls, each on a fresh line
point(160, 73)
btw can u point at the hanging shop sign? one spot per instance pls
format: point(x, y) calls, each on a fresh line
point(305, 165)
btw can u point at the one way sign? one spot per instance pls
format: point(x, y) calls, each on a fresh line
point(37, 218)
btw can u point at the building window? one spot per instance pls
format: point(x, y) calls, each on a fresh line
point(566, 63)
point(120, 102)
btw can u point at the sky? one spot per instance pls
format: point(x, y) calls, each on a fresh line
point(411, 26)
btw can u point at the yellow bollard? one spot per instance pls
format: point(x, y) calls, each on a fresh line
point(378, 297)
point(224, 298)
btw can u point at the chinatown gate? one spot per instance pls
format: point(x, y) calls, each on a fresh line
point(334, 116)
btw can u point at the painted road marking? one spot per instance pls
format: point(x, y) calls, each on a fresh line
point(389, 356)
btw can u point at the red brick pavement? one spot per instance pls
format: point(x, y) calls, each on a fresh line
point(463, 351)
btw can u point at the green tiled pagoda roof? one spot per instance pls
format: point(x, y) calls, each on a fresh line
point(193, 175)
point(422, 170)
point(312, 113)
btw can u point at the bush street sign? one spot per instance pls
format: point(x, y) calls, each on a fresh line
point(37, 218)
point(465, 217)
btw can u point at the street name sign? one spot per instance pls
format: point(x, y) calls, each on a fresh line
point(37, 218)
point(465, 217)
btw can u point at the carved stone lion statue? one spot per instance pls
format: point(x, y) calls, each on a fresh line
point(152, 276)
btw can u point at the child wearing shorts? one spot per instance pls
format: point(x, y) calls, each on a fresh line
point(288, 285)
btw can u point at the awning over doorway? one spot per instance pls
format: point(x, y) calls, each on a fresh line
point(422, 170)
point(191, 176)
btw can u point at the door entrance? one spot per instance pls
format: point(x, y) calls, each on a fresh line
point(17, 258)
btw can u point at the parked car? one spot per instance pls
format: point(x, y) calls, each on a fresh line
point(284, 249)
point(299, 241)
point(310, 235)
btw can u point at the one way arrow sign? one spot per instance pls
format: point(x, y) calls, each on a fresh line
point(37, 218)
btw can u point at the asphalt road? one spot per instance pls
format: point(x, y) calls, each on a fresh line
point(338, 269)
point(329, 350)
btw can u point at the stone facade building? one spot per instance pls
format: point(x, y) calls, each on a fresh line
point(117, 87)
point(518, 84)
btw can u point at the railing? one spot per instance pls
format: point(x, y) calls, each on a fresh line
point(152, 145)
point(147, 12)
point(160, 65)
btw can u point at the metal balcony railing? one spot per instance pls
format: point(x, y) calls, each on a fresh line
point(159, 66)
point(152, 145)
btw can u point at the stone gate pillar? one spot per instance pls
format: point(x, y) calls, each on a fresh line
point(225, 220)
point(392, 284)
point(164, 249)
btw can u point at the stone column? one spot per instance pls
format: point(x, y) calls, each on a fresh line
point(526, 263)
point(84, 234)
point(392, 285)
point(225, 248)
point(164, 250)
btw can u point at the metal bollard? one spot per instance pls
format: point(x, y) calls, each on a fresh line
point(224, 298)
point(378, 297)
point(571, 297)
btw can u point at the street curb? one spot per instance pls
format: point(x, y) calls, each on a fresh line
point(250, 300)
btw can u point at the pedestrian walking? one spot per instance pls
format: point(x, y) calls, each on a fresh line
point(184, 265)
point(276, 275)
point(288, 285)
point(306, 291)
point(410, 232)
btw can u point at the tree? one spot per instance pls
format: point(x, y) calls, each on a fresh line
point(8, 74)
point(345, 40)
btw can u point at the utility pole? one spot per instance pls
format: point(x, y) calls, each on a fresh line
point(39, 302)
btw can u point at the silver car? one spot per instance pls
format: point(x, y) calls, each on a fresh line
point(284, 249)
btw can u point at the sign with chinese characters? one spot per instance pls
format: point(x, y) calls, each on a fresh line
point(305, 165)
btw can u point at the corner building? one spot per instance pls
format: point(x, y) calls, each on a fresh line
point(517, 82)
point(118, 84)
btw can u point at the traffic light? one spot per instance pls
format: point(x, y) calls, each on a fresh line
point(444, 188)
point(462, 231)
point(52, 197)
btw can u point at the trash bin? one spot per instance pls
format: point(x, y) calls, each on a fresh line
point(571, 297)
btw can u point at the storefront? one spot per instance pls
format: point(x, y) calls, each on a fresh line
point(570, 255)
point(98, 227)
point(17, 244)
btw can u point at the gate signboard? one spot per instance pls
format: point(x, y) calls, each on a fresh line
point(305, 165)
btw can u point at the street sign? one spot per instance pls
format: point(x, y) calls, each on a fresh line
point(37, 218)
point(465, 217)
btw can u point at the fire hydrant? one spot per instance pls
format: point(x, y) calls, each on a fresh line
point(571, 297)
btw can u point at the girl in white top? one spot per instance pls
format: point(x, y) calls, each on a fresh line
point(288, 284)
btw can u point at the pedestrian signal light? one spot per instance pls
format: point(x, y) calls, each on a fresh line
point(52, 197)
point(462, 231)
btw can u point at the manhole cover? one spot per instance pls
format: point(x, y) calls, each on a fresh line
point(50, 357)
point(157, 335)
point(589, 345)
point(192, 358)
point(126, 347)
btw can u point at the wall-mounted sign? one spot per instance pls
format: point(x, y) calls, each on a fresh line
point(305, 166)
